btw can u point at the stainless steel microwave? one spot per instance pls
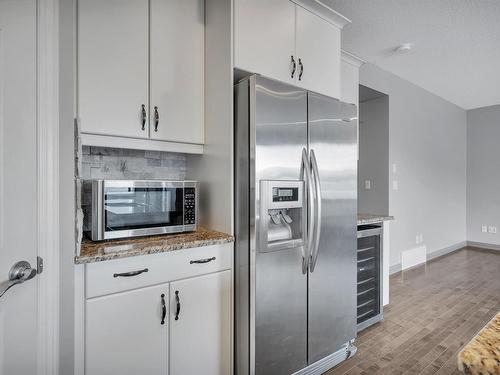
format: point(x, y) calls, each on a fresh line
point(132, 208)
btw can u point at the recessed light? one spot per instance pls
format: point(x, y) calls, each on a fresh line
point(403, 48)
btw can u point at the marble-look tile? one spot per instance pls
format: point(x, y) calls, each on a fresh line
point(111, 163)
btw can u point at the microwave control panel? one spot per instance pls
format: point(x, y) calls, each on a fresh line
point(189, 205)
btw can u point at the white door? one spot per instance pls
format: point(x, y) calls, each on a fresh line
point(18, 184)
point(127, 333)
point(113, 67)
point(177, 53)
point(264, 38)
point(200, 325)
point(318, 48)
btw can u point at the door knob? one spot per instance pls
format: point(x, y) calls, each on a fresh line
point(18, 274)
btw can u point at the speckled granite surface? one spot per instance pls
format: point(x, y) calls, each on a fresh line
point(100, 251)
point(364, 219)
point(482, 354)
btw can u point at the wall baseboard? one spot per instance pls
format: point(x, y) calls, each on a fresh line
point(483, 245)
point(438, 253)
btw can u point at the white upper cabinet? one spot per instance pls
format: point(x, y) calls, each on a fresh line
point(113, 67)
point(124, 332)
point(177, 41)
point(318, 51)
point(292, 41)
point(141, 73)
point(264, 37)
point(200, 336)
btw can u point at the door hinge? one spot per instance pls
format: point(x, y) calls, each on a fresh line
point(39, 265)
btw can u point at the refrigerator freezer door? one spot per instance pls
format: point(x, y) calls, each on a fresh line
point(280, 304)
point(271, 287)
point(332, 283)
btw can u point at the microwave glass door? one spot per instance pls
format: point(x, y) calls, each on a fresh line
point(127, 208)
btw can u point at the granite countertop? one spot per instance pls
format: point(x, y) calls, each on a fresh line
point(364, 219)
point(482, 354)
point(113, 249)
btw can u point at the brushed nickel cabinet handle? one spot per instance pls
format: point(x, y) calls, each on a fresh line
point(131, 273)
point(157, 118)
point(301, 66)
point(163, 309)
point(143, 116)
point(198, 261)
point(178, 301)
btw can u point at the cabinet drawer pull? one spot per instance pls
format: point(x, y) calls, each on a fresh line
point(163, 309)
point(143, 116)
point(131, 273)
point(301, 66)
point(294, 66)
point(198, 261)
point(157, 118)
point(178, 301)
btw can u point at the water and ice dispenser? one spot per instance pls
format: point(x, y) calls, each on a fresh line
point(282, 215)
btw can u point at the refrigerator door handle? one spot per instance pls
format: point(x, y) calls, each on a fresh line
point(318, 203)
point(305, 175)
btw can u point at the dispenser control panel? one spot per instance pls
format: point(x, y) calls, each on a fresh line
point(285, 194)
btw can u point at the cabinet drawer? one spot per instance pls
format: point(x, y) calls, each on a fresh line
point(104, 277)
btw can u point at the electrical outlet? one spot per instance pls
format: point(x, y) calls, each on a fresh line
point(492, 229)
point(421, 238)
point(484, 229)
point(368, 184)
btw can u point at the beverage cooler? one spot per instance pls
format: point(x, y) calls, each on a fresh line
point(369, 278)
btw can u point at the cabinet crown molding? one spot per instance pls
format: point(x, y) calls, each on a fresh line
point(324, 11)
point(352, 59)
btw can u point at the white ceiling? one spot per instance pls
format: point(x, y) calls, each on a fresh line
point(456, 44)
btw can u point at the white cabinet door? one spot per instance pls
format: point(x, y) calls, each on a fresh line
point(124, 333)
point(177, 42)
point(113, 67)
point(200, 339)
point(264, 37)
point(318, 48)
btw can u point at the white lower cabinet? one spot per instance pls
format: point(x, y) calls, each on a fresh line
point(200, 336)
point(173, 317)
point(124, 333)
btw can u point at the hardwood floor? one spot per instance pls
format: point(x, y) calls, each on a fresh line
point(434, 310)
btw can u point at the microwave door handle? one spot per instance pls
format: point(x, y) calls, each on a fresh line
point(318, 202)
point(308, 211)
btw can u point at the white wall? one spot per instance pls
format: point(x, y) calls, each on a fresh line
point(427, 142)
point(483, 173)
point(373, 161)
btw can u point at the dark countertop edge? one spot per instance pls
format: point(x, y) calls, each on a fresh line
point(86, 259)
point(372, 219)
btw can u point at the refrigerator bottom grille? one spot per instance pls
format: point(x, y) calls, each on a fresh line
point(325, 364)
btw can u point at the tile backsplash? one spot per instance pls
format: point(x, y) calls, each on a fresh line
point(114, 163)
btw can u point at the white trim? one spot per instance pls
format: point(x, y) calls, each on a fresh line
point(324, 11)
point(483, 245)
point(79, 319)
point(48, 185)
point(139, 144)
point(352, 59)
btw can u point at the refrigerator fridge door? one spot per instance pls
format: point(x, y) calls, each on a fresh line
point(332, 275)
point(271, 287)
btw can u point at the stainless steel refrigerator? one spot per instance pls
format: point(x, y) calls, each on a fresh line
point(295, 227)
